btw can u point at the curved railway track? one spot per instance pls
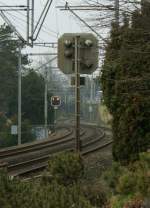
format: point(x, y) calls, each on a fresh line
point(32, 157)
point(10, 151)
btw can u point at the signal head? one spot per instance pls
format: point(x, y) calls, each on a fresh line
point(88, 43)
point(68, 43)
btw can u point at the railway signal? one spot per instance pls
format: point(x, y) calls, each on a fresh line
point(78, 54)
point(88, 49)
point(55, 101)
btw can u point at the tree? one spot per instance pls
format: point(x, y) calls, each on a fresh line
point(125, 83)
point(32, 91)
point(32, 82)
point(8, 66)
point(33, 85)
point(8, 140)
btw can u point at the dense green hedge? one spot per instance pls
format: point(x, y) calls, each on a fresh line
point(126, 85)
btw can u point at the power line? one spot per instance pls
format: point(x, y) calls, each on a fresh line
point(44, 29)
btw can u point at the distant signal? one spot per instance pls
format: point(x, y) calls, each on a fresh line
point(55, 101)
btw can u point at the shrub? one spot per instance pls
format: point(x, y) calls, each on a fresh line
point(140, 171)
point(8, 140)
point(127, 184)
point(16, 194)
point(66, 168)
point(135, 202)
point(96, 194)
point(112, 176)
point(118, 201)
point(132, 187)
point(145, 157)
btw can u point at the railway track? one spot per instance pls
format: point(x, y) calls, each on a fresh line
point(33, 157)
point(6, 152)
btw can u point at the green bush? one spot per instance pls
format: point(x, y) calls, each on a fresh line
point(127, 184)
point(145, 157)
point(143, 179)
point(111, 177)
point(119, 201)
point(135, 202)
point(8, 140)
point(66, 168)
point(33, 194)
point(128, 201)
point(27, 134)
point(130, 185)
point(96, 194)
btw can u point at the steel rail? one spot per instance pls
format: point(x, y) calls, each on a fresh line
point(25, 148)
point(32, 165)
point(35, 157)
point(41, 162)
point(6, 152)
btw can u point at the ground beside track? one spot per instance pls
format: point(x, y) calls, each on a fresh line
point(98, 162)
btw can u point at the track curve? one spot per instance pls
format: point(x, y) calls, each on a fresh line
point(35, 156)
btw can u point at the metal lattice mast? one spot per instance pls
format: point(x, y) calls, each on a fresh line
point(117, 12)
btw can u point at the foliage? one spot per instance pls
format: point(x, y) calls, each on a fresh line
point(127, 184)
point(96, 193)
point(32, 83)
point(119, 201)
point(126, 84)
point(131, 185)
point(127, 202)
point(112, 176)
point(35, 195)
point(8, 140)
point(8, 66)
point(3, 121)
point(145, 158)
point(66, 168)
point(32, 99)
point(46, 194)
point(32, 92)
point(136, 202)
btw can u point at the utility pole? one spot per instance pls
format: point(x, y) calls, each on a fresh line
point(19, 94)
point(117, 12)
point(91, 99)
point(45, 102)
point(32, 20)
point(28, 20)
point(77, 92)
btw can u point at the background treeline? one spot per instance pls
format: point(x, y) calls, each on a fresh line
point(126, 84)
point(33, 86)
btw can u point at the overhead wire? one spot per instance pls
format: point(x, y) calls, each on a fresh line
point(14, 16)
point(57, 19)
point(44, 29)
